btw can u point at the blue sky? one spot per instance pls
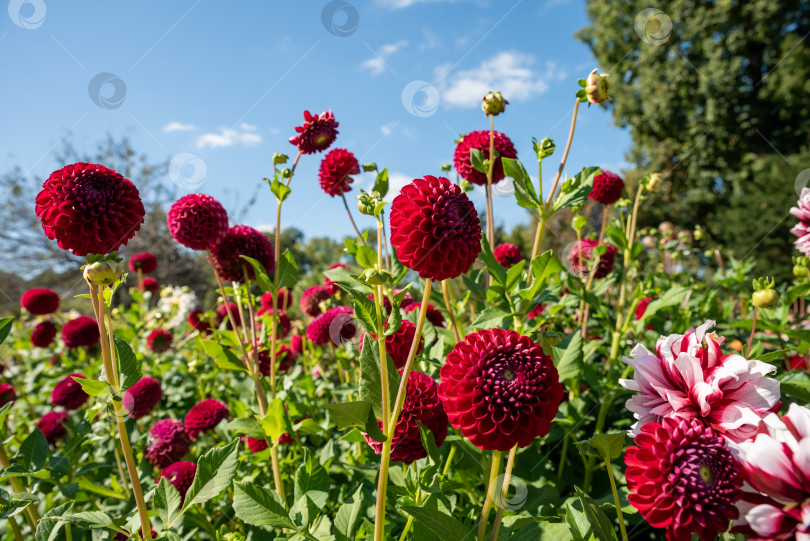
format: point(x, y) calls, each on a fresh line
point(220, 86)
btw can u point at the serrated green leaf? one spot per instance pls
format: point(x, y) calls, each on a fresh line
point(496, 270)
point(524, 189)
point(575, 191)
point(478, 161)
point(370, 378)
point(48, 530)
point(287, 271)
point(569, 361)
point(166, 500)
point(260, 274)
point(381, 183)
point(348, 516)
point(604, 446)
point(94, 387)
point(33, 452)
point(277, 422)
point(311, 480)
point(444, 525)
point(279, 189)
point(359, 414)
point(223, 357)
point(247, 426)
point(366, 256)
point(86, 519)
point(215, 471)
point(129, 367)
point(5, 328)
point(490, 318)
point(260, 507)
point(602, 527)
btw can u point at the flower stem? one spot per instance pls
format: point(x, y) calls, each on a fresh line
point(494, 469)
point(510, 463)
point(561, 469)
point(616, 500)
point(378, 304)
point(351, 219)
point(16, 529)
point(490, 169)
point(456, 326)
point(753, 330)
point(31, 514)
point(565, 155)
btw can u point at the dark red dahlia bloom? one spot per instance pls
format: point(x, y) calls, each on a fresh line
point(434, 315)
point(536, 311)
point(148, 284)
point(331, 287)
point(285, 439)
point(283, 300)
point(334, 326)
point(43, 334)
point(7, 394)
point(222, 312)
point(257, 445)
point(508, 254)
point(284, 360)
point(317, 134)
point(197, 221)
point(159, 340)
point(398, 345)
point(145, 262)
point(180, 475)
point(238, 241)
point(796, 362)
point(480, 140)
point(40, 301)
point(89, 209)
point(204, 417)
point(168, 443)
point(422, 405)
point(283, 323)
point(311, 300)
point(336, 168)
point(141, 398)
point(607, 188)
point(52, 425)
point(198, 323)
point(500, 389)
point(69, 394)
point(580, 258)
point(297, 345)
point(641, 307)
point(682, 477)
point(435, 228)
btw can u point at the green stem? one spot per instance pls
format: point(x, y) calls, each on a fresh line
point(616, 500)
point(458, 333)
point(510, 463)
point(753, 330)
point(561, 469)
point(493, 476)
point(14, 528)
point(351, 219)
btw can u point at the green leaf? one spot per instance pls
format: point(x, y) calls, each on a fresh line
point(366, 256)
point(348, 516)
point(490, 317)
point(287, 271)
point(514, 274)
point(773, 355)
point(429, 444)
point(33, 452)
point(602, 527)
point(524, 189)
point(260, 274)
point(604, 446)
point(796, 385)
point(543, 531)
point(276, 422)
point(381, 184)
point(129, 367)
point(544, 266)
point(497, 270)
point(215, 471)
point(48, 530)
point(575, 190)
point(364, 307)
point(93, 387)
point(370, 380)
point(260, 507)
point(359, 414)
point(477, 160)
point(443, 525)
point(303, 512)
point(5, 328)
point(312, 480)
point(672, 297)
point(247, 426)
point(616, 236)
point(87, 519)
point(569, 361)
point(166, 500)
point(279, 189)
point(224, 358)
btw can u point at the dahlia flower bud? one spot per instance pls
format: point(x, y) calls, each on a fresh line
point(765, 296)
point(596, 87)
point(654, 182)
point(446, 167)
point(102, 273)
point(369, 203)
point(493, 103)
point(369, 167)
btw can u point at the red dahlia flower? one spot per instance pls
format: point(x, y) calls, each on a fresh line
point(180, 475)
point(40, 301)
point(434, 315)
point(159, 340)
point(607, 188)
point(641, 307)
point(317, 134)
point(480, 140)
point(682, 477)
point(144, 262)
point(148, 284)
point(336, 168)
point(43, 334)
point(169, 442)
point(331, 287)
point(257, 445)
point(297, 345)
point(69, 394)
point(283, 323)
point(197, 221)
point(52, 425)
point(311, 300)
point(222, 312)
point(797, 362)
point(89, 209)
point(7, 394)
point(334, 326)
point(536, 311)
point(204, 417)
point(198, 323)
point(422, 405)
point(580, 259)
point(284, 360)
point(435, 228)
point(398, 345)
point(141, 398)
point(238, 241)
point(500, 389)
point(508, 254)
point(283, 300)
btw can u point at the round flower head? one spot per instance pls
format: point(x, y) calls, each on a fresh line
point(257, 445)
point(204, 417)
point(579, 258)
point(334, 326)
point(422, 406)
point(7, 394)
point(607, 188)
point(297, 345)
point(89, 209)
point(283, 300)
point(802, 229)
point(682, 477)
point(480, 140)
point(199, 323)
point(148, 284)
point(331, 287)
point(144, 262)
point(336, 168)
point(159, 340)
point(43, 334)
point(508, 254)
point(435, 228)
point(398, 345)
point(40, 301)
point(688, 377)
point(69, 394)
point(311, 300)
point(317, 134)
point(141, 398)
point(180, 475)
point(283, 323)
point(238, 241)
point(168, 443)
point(52, 425)
point(197, 221)
point(434, 315)
point(222, 312)
point(499, 389)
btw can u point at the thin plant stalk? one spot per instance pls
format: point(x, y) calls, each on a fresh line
point(378, 304)
point(385, 244)
point(351, 219)
point(616, 500)
point(490, 169)
point(494, 470)
point(753, 330)
point(455, 325)
point(14, 528)
point(507, 476)
point(31, 514)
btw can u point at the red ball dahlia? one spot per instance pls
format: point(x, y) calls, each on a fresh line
point(43, 334)
point(148, 284)
point(311, 300)
point(52, 425)
point(331, 287)
point(144, 262)
point(297, 345)
point(7, 394)
point(197, 221)
point(159, 340)
point(238, 241)
point(168, 443)
point(199, 323)
point(607, 188)
point(336, 168)
point(580, 258)
point(500, 389)
point(682, 477)
point(222, 312)
point(434, 315)
point(257, 445)
point(204, 416)
point(89, 209)
point(141, 398)
point(422, 405)
point(69, 394)
point(283, 323)
point(335, 326)
point(480, 140)
point(283, 299)
point(40, 301)
point(508, 254)
point(317, 134)
point(435, 228)
point(398, 345)
point(180, 475)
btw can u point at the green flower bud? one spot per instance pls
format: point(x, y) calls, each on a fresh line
point(493, 103)
point(446, 167)
point(369, 167)
point(799, 271)
point(765, 298)
point(102, 273)
point(596, 87)
point(654, 182)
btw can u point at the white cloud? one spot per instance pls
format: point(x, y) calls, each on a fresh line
point(396, 181)
point(376, 64)
point(388, 127)
point(511, 73)
point(227, 137)
point(177, 126)
point(398, 4)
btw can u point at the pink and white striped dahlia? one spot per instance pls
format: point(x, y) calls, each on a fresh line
point(776, 467)
point(802, 229)
point(690, 378)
